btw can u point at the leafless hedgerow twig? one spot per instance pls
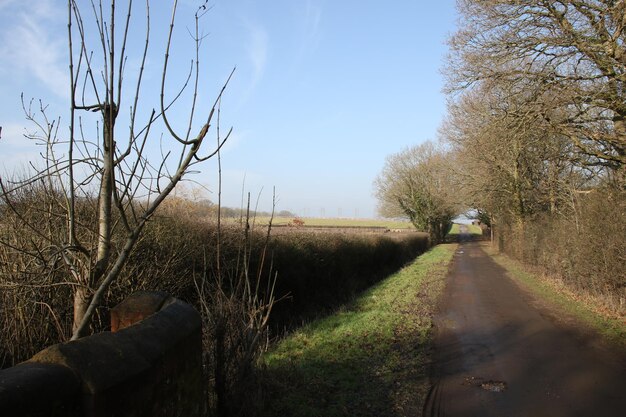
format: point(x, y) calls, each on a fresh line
point(99, 188)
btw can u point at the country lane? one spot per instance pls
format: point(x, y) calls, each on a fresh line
point(498, 354)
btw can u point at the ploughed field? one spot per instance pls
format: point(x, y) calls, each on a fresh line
point(282, 225)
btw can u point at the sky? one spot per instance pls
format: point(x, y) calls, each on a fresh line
point(323, 91)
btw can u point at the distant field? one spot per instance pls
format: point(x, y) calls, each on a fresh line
point(323, 222)
point(471, 229)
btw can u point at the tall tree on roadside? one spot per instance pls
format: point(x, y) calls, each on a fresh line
point(512, 167)
point(417, 183)
point(573, 50)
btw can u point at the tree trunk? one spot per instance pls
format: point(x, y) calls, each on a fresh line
point(619, 125)
point(105, 197)
point(81, 302)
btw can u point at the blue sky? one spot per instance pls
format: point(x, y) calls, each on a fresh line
point(323, 91)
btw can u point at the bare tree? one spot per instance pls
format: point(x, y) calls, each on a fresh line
point(511, 166)
point(537, 117)
point(417, 183)
point(571, 53)
point(105, 183)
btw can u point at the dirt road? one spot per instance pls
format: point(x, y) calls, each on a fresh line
point(499, 355)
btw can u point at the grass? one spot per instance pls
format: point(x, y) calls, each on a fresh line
point(549, 291)
point(371, 357)
point(471, 229)
point(454, 230)
point(337, 222)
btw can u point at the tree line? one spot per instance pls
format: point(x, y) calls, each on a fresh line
point(534, 138)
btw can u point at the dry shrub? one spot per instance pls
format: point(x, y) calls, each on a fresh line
point(320, 271)
point(36, 286)
point(584, 248)
point(314, 274)
point(35, 294)
point(235, 313)
point(178, 254)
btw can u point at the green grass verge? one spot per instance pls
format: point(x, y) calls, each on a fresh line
point(370, 358)
point(610, 328)
point(454, 230)
point(391, 224)
point(471, 229)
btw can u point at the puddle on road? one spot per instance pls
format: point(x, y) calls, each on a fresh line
point(494, 386)
point(487, 385)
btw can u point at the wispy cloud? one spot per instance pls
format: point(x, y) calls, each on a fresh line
point(310, 34)
point(13, 135)
point(235, 140)
point(312, 22)
point(17, 150)
point(257, 51)
point(5, 4)
point(32, 43)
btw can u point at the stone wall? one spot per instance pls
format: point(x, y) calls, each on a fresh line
point(150, 365)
